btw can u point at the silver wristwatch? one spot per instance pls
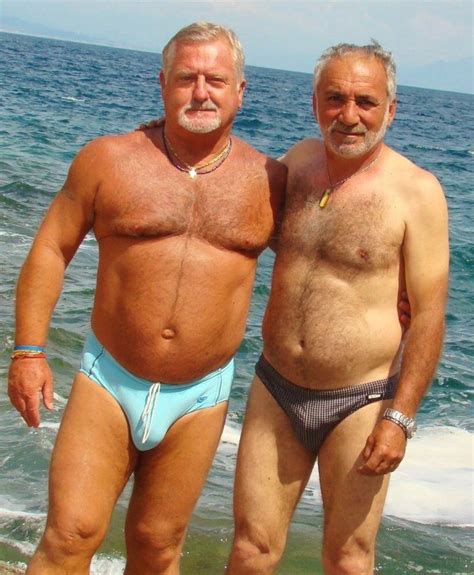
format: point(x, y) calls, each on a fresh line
point(406, 423)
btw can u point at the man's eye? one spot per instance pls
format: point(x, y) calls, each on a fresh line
point(366, 104)
point(335, 98)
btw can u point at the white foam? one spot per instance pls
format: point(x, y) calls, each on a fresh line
point(107, 566)
point(230, 439)
point(434, 483)
point(49, 425)
point(9, 514)
point(72, 99)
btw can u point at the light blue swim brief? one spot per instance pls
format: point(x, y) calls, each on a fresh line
point(151, 407)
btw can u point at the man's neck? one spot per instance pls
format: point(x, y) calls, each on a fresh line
point(341, 167)
point(194, 148)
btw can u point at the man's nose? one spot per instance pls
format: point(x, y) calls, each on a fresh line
point(200, 92)
point(349, 113)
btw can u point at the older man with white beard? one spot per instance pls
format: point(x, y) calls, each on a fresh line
point(181, 213)
point(362, 223)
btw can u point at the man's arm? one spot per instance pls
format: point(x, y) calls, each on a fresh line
point(426, 257)
point(67, 221)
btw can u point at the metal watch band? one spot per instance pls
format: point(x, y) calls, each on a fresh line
point(406, 423)
point(399, 423)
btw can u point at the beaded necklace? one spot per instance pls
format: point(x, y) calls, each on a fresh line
point(194, 171)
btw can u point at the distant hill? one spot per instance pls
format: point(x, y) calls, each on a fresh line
point(19, 26)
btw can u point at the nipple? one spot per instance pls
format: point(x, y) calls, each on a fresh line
point(363, 254)
point(168, 333)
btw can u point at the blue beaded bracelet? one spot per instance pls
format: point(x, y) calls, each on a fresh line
point(38, 348)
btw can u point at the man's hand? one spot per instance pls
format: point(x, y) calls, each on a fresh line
point(384, 449)
point(27, 380)
point(156, 123)
point(404, 312)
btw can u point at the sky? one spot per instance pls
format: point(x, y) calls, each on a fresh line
point(431, 40)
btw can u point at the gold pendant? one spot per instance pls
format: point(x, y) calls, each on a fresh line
point(325, 198)
point(192, 173)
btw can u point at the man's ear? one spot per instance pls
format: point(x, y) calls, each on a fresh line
point(392, 107)
point(241, 90)
point(162, 79)
point(315, 105)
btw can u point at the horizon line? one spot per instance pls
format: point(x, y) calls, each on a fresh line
point(145, 51)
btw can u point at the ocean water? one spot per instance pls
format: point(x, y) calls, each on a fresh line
point(56, 96)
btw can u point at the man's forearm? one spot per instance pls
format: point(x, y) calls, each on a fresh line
point(420, 357)
point(38, 290)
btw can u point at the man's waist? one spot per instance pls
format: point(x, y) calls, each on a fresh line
point(153, 367)
point(324, 369)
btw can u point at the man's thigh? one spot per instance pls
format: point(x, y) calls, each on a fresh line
point(169, 478)
point(273, 468)
point(92, 458)
point(353, 503)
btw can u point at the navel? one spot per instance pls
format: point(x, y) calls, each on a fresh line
point(168, 333)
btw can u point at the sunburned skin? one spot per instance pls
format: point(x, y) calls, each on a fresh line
point(162, 237)
point(332, 317)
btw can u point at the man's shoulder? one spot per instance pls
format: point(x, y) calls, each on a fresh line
point(102, 154)
point(246, 150)
point(301, 151)
point(417, 185)
point(116, 143)
point(412, 173)
point(254, 158)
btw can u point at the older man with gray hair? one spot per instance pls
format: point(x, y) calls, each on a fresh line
point(181, 213)
point(361, 224)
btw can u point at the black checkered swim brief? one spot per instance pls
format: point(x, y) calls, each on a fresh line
point(314, 413)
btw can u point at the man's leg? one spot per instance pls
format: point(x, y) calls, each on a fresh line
point(273, 468)
point(353, 503)
point(168, 481)
point(91, 463)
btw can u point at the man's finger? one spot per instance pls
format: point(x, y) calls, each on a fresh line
point(369, 445)
point(48, 395)
point(31, 412)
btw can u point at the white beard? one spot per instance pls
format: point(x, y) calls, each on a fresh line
point(199, 125)
point(371, 139)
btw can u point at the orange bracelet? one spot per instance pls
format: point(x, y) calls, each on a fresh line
point(27, 355)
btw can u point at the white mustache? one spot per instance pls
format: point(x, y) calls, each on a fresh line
point(336, 126)
point(197, 106)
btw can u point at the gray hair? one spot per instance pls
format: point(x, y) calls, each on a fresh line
point(204, 32)
point(373, 50)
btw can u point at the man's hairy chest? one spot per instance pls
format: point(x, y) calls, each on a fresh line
point(360, 229)
point(233, 215)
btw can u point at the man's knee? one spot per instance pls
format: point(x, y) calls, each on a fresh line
point(353, 557)
point(154, 546)
point(72, 538)
point(256, 549)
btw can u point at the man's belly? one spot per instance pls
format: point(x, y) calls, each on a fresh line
point(171, 319)
point(330, 341)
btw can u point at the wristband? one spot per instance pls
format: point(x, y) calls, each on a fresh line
point(33, 348)
point(28, 355)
